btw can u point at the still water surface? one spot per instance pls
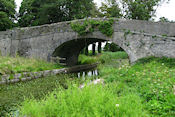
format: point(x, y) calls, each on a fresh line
point(90, 73)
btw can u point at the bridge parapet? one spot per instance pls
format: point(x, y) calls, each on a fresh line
point(154, 28)
point(120, 25)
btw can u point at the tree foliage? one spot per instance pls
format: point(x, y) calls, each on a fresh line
point(112, 47)
point(38, 12)
point(132, 9)
point(110, 9)
point(7, 14)
point(88, 26)
point(163, 19)
point(140, 9)
point(94, 12)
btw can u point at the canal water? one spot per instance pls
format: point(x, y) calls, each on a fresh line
point(37, 88)
point(88, 73)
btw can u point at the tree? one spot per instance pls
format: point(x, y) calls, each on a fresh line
point(93, 48)
point(112, 47)
point(38, 12)
point(110, 9)
point(7, 14)
point(132, 9)
point(99, 47)
point(163, 19)
point(140, 9)
point(86, 50)
point(94, 12)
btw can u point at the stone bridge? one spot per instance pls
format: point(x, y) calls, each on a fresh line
point(138, 38)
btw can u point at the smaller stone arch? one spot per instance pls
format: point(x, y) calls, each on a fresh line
point(71, 48)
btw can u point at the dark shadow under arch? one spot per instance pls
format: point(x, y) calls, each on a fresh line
point(70, 50)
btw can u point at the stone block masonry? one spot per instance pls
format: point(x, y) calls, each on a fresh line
point(27, 76)
point(138, 38)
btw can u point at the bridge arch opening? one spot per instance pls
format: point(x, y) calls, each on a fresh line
point(69, 51)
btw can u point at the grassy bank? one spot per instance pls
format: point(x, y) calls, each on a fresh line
point(106, 57)
point(91, 101)
point(11, 65)
point(144, 89)
point(83, 59)
point(151, 79)
point(141, 90)
point(13, 95)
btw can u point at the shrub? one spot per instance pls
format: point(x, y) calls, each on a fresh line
point(112, 47)
point(88, 26)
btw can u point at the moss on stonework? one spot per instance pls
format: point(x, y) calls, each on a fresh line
point(88, 26)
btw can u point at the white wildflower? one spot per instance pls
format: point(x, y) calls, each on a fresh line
point(117, 105)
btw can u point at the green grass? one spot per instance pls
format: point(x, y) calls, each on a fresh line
point(91, 101)
point(11, 65)
point(144, 89)
point(152, 79)
point(83, 59)
point(14, 94)
point(113, 59)
point(105, 57)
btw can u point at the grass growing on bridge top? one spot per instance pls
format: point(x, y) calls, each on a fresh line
point(11, 65)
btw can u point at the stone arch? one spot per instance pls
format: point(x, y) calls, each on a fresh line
point(71, 48)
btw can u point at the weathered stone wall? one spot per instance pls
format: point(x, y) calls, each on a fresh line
point(154, 28)
point(5, 43)
point(140, 45)
point(138, 38)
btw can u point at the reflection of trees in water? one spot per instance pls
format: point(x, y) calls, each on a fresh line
point(91, 73)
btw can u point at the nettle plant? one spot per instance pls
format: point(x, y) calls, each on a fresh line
point(88, 26)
